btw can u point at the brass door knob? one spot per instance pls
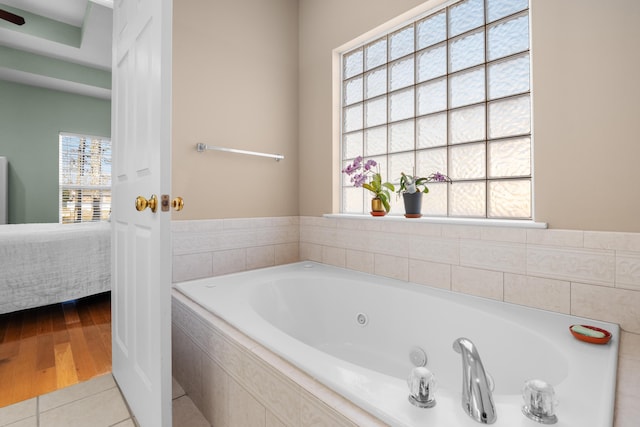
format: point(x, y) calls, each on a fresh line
point(142, 203)
point(177, 203)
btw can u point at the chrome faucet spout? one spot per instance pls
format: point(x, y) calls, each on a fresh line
point(477, 399)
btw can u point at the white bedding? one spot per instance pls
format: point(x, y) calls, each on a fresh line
point(43, 264)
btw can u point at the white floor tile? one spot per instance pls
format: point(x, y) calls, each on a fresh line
point(177, 390)
point(18, 411)
point(126, 423)
point(77, 391)
point(27, 422)
point(103, 409)
point(185, 414)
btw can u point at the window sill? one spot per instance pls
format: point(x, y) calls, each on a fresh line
point(479, 222)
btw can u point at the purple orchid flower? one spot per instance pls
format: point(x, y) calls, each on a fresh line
point(358, 179)
point(370, 164)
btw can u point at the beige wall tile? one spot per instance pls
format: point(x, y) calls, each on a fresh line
point(609, 304)
point(260, 256)
point(244, 409)
point(215, 392)
point(579, 265)
point(629, 345)
point(272, 389)
point(318, 221)
point(316, 414)
point(361, 261)
point(189, 242)
point(187, 364)
point(546, 294)
point(233, 359)
point(286, 253)
point(565, 238)
point(461, 231)
point(192, 266)
point(204, 225)
point(334, 256)
point(361, 224)
point(319, 235)
point(273, 421)
point(504, 234)
point(628, 382)
point(612, 240)
point(627, 411)
point(388, 243)
point(434, 249)
point(430, 273)
point(628, 270)
point(233, 239)
point(275, 235)
point(483, 283)
point(506, 257)
point(354, 239)
point(391, 266)
point(310, 252)
point(343, 406)
point(229, 261)
point(426, 229)
point(246, 223)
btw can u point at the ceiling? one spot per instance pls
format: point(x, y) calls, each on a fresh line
point(44, 40)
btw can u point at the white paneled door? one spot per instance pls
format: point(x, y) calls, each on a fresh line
point(141, 244)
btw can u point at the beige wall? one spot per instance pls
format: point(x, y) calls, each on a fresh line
point(235, 71)
point(279, 53)
point(586, 109)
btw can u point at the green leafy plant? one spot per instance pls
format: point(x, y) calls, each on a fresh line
point(411, 183)
point(360, 172)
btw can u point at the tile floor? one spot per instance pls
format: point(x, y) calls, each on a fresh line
point(94, 403)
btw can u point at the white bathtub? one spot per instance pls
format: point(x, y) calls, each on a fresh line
point(308, 314)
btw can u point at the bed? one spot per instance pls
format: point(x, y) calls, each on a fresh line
point(43, 264)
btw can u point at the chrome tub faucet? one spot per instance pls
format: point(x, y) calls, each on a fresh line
point(477, 399)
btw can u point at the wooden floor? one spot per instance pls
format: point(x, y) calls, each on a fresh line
point(47, 348)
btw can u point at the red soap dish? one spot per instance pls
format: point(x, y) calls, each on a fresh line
point(592, 340)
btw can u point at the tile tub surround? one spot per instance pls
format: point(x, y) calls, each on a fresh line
point(584, 273)
point(204, 248)
point(235, 381)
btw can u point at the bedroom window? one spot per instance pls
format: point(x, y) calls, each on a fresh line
point(85, 178)
point(447, 92)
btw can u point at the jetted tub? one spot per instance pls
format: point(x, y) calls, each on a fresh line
point(354, 332)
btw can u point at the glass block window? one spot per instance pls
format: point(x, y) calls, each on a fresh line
point(85, 178)
point(448, 92)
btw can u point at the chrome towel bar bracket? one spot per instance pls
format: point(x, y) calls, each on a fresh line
point(200, 147)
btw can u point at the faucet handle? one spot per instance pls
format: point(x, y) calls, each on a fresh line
point(539, 401)
point(422, 387)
